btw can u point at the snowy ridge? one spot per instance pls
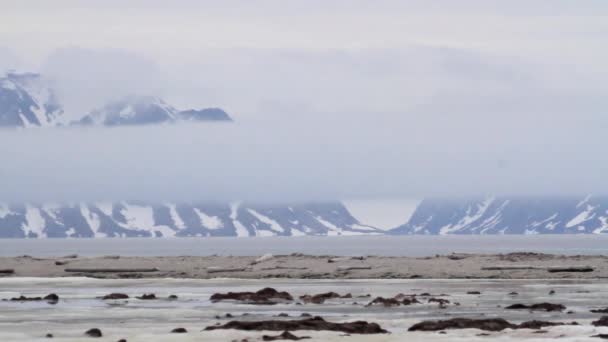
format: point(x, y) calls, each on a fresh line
point(509, 215)
point(27, 100)
point(141, 219)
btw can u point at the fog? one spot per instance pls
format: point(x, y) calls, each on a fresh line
point(331, 100)
point(302, 161)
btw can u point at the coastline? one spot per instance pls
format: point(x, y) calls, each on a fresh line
point(517, 265)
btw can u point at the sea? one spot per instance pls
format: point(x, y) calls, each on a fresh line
point(414, 246)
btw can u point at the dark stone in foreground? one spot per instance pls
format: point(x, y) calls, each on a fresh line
point(179, 331)
point(541, 324)
point(537, 307)
point(266, 296)
point(93, 333)
point(115, 296)
point(286, 335)
point(319, 298)
point(50, 298)
point(315, 323)
point(492, 324)
point(602, 322)
point(147, 296)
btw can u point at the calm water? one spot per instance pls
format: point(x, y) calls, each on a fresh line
point(351, 245)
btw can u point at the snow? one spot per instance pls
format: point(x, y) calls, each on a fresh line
point(274, 225)
point(470, 218)
point(127, 112)
point(328, 224)
point(105, 207)
point(35, 223)
point(138, 216)
point(179, 223)
point(209, 222)
point(92, 220)
point(165, 231)
point(384, 214)
point(582, 217)
point(241, 231)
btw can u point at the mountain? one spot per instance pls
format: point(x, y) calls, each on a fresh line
point(509, 215)
point(145, 110)
point(27, 100)
point(140, 219)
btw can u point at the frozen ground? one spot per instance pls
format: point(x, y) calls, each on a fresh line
point(136, 320)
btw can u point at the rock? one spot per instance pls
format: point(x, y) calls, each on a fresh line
point(179, 331)
point(315, 323)
point(147, 296)
point(50, 298)
point(93, 333)
point(492, 324)
point(557, 269)
point(286, 335)
point(442, 302)
point(353, 268)
point(267, 296)
point(386, 302)
point(61, 262)
point(389, 302)
point(304, 314)
point(605, 310)
point(122, 340)
point(172, 297)
point(112, 296)
point(602, 322)
point(541, 324)
point(319, 298)
point(604, 336)
point(513, 293)
point(282, 314)
point(7, 271)
point(71, 256)
point(537, 307)
point(49, 336)
point(551, 293)
point(474, 293)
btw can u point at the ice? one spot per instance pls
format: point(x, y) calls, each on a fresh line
point(80, 309)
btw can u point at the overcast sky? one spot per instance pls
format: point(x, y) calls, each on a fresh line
point(497, 82)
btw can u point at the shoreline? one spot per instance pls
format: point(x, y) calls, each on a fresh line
point(518, 265)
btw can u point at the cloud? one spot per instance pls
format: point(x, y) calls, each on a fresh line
point(412, 157)
point(89, 78)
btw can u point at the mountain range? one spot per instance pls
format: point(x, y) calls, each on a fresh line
point(28, 100)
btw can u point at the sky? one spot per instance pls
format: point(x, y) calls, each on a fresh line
point(379, 98)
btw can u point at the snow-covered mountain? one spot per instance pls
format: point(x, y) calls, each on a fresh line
point(509, 215)
point(139, 219)
point(27, 100)
point(145, 110)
